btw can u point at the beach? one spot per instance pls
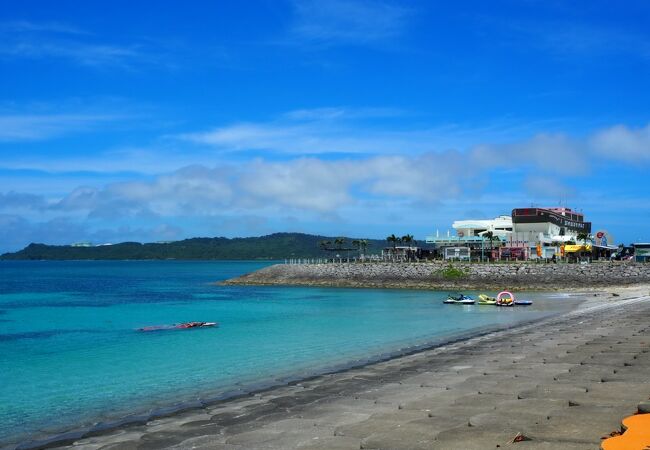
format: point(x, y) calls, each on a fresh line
point(560, 383)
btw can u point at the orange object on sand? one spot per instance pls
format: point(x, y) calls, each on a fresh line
point(635, 437)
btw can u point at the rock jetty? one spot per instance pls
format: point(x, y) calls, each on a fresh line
point(443, 275)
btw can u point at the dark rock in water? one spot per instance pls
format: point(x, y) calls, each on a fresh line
point(291, 380)
point(175, 409)
point(56, 441)
point(228, 395)
point(101, 427)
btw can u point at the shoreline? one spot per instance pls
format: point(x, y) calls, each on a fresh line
point(110, 435)
point(117, 423)
point(68, 437)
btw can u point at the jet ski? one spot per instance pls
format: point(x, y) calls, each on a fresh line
point(180, 326)
point(459, 300)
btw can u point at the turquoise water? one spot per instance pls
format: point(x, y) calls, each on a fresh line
point(70, 354)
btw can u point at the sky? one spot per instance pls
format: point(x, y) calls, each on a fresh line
point(155, 121)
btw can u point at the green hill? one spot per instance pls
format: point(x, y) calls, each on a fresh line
point(273, 246)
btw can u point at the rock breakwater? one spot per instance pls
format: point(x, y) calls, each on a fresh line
point(443, 275)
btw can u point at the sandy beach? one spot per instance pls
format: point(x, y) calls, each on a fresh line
point(563, 383)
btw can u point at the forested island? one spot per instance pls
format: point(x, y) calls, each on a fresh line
point(273, 246)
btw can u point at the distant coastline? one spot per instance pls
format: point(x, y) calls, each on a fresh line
point(277, 246)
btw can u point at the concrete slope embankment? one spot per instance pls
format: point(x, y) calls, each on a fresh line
point(441, 275)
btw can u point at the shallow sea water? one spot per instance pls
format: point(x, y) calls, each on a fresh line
point(71, 355)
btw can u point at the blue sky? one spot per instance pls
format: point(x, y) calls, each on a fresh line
point(156, 121)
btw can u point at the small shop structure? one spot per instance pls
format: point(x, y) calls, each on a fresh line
point(642, 252)
point(458, 253)
point(404, 253)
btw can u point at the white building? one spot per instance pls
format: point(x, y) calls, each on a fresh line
point(500, 227)
point(525, 228)
point(548, 225)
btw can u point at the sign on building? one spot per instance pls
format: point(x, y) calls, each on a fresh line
point(602, 238)
point(460, 253)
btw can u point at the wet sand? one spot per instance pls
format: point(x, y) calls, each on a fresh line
point(563, 383)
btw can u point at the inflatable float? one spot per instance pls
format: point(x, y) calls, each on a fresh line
point(180, 326)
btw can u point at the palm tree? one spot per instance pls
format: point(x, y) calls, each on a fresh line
point(408, 239)
point(490, 236)
point(583, 237)
point(339, 242)
point(325, 246)
point(392, 239)
point(364, 245)
point(357, 243)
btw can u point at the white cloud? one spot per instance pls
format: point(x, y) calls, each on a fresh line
point(349, 130)
point(15, 201)
point(194, 190)
point(95, 55)
point(386, 173)
point(570, 38)
point(315, 190)
point(427, 178)
point(547, 188)
point(347, 22)
point(40, 40)
point(500, 144)
point(338, 113)
point(16, 232)
point(18, 26)
point(555, 153)
point(304, 185)
point(623, 143)
point(31, 127)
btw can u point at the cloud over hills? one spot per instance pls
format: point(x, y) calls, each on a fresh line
point(313, 187)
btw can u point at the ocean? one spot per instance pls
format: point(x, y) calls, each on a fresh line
point(71, 353)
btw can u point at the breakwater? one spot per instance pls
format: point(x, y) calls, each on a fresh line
point(443, 275)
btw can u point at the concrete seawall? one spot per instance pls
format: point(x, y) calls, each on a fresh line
point(437, 275)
